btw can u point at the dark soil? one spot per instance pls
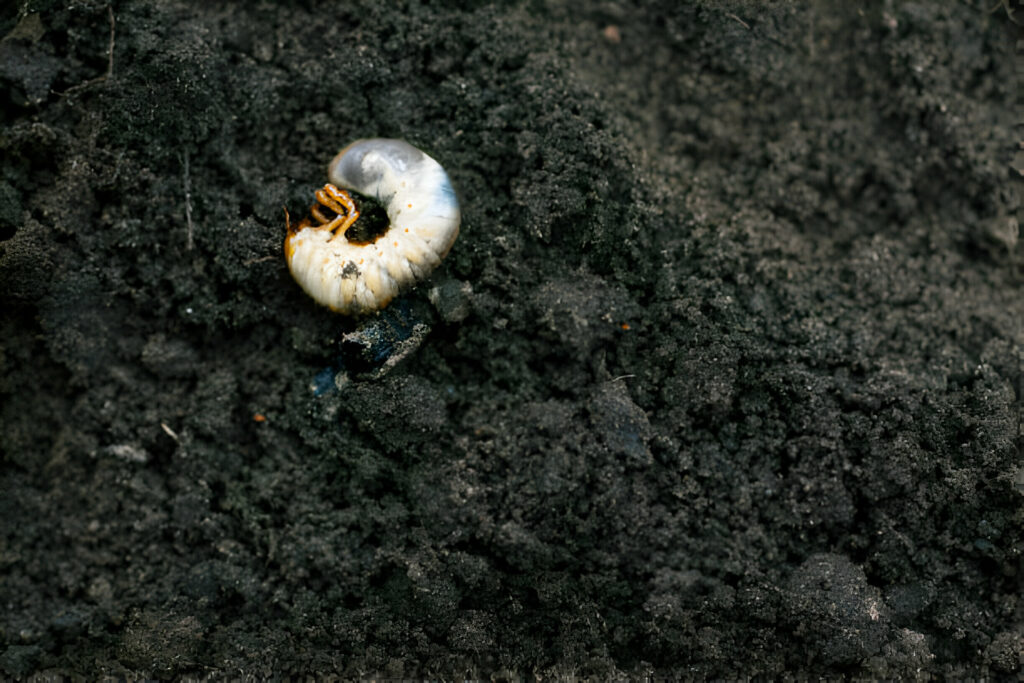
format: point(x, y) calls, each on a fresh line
point(721, 377)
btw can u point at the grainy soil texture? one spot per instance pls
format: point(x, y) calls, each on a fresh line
point(721, 378)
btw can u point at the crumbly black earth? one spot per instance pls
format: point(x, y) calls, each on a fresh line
point(732, 389)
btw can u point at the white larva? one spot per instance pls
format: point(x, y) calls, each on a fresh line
point(353, 277)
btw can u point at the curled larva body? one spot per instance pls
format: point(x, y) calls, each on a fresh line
point(355, 276)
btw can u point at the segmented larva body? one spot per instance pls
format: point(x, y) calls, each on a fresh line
point(352, 276)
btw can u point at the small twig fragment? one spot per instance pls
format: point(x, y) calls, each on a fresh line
point(169, 432)
point(733, 16)
point(188, 200)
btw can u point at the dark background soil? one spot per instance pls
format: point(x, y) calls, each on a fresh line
point(725, 384)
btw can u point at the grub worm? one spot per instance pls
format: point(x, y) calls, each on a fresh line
point(355, 272)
